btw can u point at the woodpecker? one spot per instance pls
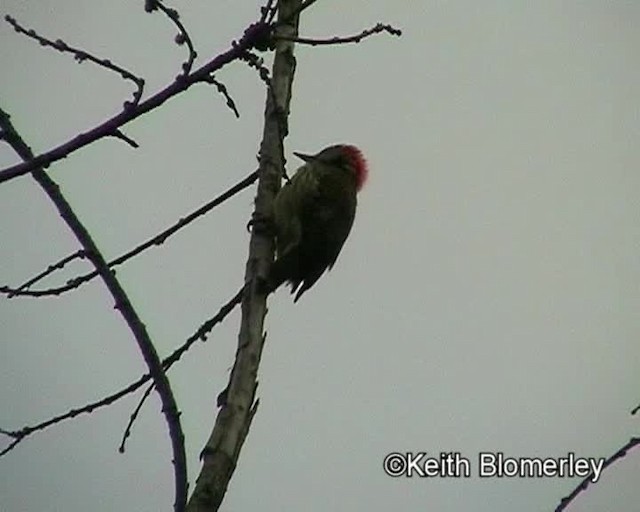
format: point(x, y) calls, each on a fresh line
point(313, 214)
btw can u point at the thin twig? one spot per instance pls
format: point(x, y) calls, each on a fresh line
point(81, 56)
point(222, 89)
point(380, 27)
point(119, 135)
point(26, 431)
point(58, 265)
point(181, 38)
point(200, 334)
point(133, 417)
point(582, 486)
point(257, 63)
point(155, 240)
point(268, 12)
point(253, 33)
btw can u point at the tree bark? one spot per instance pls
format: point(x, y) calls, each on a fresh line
point(221, 451)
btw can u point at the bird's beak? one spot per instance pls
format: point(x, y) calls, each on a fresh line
point(302, 156)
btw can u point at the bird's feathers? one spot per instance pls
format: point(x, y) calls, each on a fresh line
point(313, 215)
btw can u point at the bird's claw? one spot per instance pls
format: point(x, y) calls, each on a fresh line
point(261, 224)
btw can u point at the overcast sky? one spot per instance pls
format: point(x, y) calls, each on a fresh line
point(487, 299)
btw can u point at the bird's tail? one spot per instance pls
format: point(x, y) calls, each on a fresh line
point(284, 269)
point(277, 275)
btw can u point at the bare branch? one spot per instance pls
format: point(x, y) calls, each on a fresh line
point(380, 27)
point(253, 33)
point(81, 56)
point(582, 486)
point(24, 432)
point(200, 334)
point(80, 254)
point(268, 12)
point(222, 89)
point(182, 37)
point(158, 239)
point(122, 304)
point(203, 331)
point(133, 417)
point(257, 63)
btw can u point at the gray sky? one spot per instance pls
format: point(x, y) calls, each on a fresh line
point(486, 300)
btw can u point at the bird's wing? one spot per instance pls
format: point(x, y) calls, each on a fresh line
point(337, 236)
point(290, 204)
point(332, 211)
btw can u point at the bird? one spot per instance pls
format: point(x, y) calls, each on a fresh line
point(313, 214)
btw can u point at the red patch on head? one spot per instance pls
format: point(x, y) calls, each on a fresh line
point(359, 164)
